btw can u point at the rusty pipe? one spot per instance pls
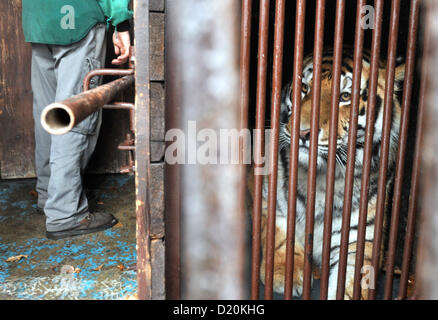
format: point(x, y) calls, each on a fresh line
point(105, 72)
point(61, 117)
point(124, 106)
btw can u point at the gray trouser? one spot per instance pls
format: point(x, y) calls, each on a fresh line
point(57, 74)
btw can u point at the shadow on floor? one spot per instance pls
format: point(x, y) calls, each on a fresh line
point(96, 266)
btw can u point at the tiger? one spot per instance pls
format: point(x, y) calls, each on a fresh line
point(344, 108)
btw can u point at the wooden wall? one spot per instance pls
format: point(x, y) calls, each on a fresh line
point(157, 95)
point(16, 120)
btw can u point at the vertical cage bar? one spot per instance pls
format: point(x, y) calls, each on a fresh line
point(351, 158)
point(172, 172)
point(331, 161)
point(294, 149)
point(415, 180)
point(245, 60)
point(142, 145)
point(262, 65)
point(313, 152)
point(369, 135)
point(384, 151)
point(273, 158)
point(400, 164)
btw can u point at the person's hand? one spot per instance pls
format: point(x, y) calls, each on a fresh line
point(122, 47)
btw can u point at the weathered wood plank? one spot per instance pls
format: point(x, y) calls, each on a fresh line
point(16, 120)
point(142, 143)
point(157, 200)
point(157, 111)
point(156, 5)
point(157, 46)
point(158, 275)
point(157, 151)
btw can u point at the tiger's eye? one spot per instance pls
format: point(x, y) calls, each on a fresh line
point(345, 97)
point(305, 88)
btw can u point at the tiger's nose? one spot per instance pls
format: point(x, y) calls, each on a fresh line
point(305, 135)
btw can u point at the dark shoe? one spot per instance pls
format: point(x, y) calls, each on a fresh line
point(94, 222)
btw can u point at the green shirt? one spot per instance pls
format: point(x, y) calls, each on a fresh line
point(63, 22)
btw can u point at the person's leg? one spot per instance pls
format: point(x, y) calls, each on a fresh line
point(67, 204)
point(43, 81)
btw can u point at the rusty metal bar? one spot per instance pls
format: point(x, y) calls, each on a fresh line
point(122, 147)
point(313, 149)
point(427, 259)
point(331, 161)
point(384, 152)
point(369, 135)
point(415, 180)
point(130, 168)
point(295, 134)
point(212, 221)
point(245, 59)
point(400, 164)
point(172, 172)
point(120, 106)
point(60, 117)
point(351, 153)
point(273, 158)
point(129, 143)
point(262, 66)
point(142, 154)
point(245, 67)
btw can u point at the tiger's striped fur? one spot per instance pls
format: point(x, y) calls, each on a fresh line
point(341, 160)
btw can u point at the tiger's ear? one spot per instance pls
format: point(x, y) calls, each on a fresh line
point(399, 77)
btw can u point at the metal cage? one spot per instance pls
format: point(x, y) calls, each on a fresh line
point(207, 218)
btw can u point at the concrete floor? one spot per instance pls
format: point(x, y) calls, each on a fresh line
point(96, 266)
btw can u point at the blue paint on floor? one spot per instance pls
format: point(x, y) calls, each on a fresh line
point(95, 266)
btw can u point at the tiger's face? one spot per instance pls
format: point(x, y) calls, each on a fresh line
point(344, 108)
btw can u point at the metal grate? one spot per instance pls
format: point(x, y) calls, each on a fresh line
point(261, 95)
